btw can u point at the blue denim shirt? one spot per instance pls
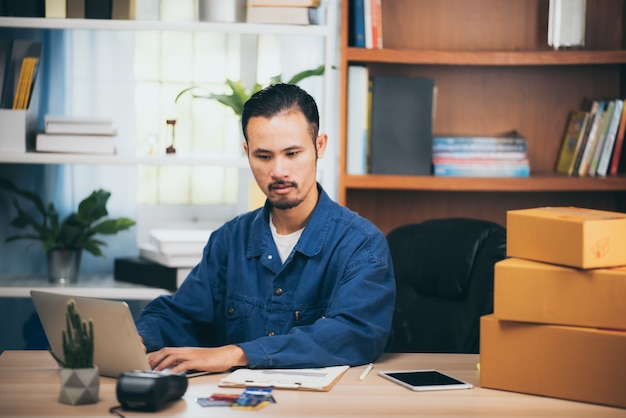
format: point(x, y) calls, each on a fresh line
point(330, 303)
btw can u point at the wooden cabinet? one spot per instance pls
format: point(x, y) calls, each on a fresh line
point(494, 72)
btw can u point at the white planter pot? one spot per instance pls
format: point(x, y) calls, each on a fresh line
point(79, 386)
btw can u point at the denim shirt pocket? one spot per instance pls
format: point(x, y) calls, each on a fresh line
point(238, 315)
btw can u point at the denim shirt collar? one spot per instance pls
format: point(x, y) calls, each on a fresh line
point(313, 236)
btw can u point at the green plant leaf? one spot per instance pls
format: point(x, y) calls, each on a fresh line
point(306, 74)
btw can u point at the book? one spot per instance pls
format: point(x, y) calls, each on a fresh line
point(401, 125)
point(481, 155)
point(573, 133)
point(282, 15)
point(76, 125)
point(591, 106)
point(287, 3)
point(56, 8)
point(609, 142)
point(317, 379)
point(24, 8)
point(123, 9)
point(75, 9)
point(79, 144)
point(180, 241)
point(619, 141)
point(377, 24)
point(138, 270)
point(357, 124)
point(150, 252)
point(566, 23)
point(598, 146)
point(25, 83)
point(356, 24)
point(508, 142)
point(367, 22)
point(98, 9)
point(493, 168)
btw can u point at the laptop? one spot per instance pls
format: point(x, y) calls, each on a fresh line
point(117, 348)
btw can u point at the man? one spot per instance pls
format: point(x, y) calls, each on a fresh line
point(301, 282)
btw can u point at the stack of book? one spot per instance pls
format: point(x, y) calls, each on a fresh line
point(289, 12)
point(480, 156)
point(165, 259)
point(366, 24)
point(592, 143)
point(558, 307)
point(76, 135)
point(175, 247)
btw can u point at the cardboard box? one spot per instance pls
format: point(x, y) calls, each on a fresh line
point(569, 236)
point(530, 291)
point(575, 363)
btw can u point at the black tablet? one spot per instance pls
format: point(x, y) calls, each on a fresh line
point(425, 379)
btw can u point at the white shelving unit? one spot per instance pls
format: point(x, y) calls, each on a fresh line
point(328, 31)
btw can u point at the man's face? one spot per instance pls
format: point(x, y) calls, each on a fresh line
point(283, 158)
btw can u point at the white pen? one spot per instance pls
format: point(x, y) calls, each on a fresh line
point(367, 371)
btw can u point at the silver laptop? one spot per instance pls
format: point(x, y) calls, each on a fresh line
point(116, 343)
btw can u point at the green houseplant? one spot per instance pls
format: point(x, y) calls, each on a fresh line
point(80, 381)
point(240, 94)
point(65, 239)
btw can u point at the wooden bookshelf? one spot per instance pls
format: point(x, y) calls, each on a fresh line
point(494, 72)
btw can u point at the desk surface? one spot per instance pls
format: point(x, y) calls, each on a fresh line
point(29, 386)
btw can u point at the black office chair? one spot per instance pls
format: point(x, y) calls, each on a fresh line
point(444, 279)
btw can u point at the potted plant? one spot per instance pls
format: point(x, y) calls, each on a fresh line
point(240, 94)
point(80, 379)
point(63, 241)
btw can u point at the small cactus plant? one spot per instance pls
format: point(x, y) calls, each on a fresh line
point(77, 340)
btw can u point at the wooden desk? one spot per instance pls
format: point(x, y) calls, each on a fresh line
point(29, 386)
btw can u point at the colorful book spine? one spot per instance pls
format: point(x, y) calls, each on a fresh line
point(482, 170)
point(479, 144)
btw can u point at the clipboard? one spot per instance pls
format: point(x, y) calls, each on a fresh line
point(317, 379)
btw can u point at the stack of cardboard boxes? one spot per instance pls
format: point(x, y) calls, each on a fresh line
point(559, 322)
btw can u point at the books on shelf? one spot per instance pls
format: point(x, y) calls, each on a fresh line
point(19, 61)
point(597, 130)
point(180, 241)
point(366, 24)
point(481, 156)
point(79, 144)
point(283, 15)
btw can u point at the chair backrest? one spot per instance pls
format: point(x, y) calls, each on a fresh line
point(444, 272)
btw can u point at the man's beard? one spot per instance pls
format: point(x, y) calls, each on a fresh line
point(283, 202)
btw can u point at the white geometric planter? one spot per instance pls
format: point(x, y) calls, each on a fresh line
point(79, 386)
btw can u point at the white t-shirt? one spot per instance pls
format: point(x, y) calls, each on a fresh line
point(284, 243)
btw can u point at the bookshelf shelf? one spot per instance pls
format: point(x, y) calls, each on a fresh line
point(197, 158)
point(159, 25)
point(486, 58)
point(537, 183)
point(494, 72)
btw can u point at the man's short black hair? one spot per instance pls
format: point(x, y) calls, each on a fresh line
point(279, 98)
